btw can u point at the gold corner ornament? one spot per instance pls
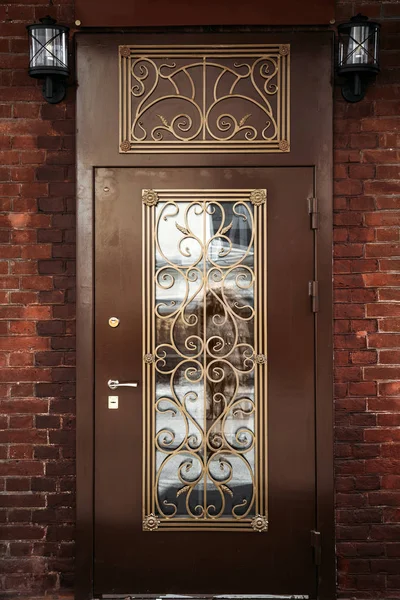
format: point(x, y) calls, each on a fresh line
point(260, 523)
point(210, 99)
point(125, 146)
point(125, 51)
point(258, 197)
point(149, 359)
point(151, 522)
point(149, 197)
point(284, 146)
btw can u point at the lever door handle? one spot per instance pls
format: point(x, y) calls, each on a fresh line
point(113, 384)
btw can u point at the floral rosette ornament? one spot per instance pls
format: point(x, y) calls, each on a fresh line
point(258, 197)
point(149, 197)
point(260, 523)
point(260, 359)
point(125, 146)
point(151, 522)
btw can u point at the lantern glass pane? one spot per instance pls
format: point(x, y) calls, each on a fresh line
point(48, 48)
point(359, 46)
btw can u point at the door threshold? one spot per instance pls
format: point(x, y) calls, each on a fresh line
point(206, 597)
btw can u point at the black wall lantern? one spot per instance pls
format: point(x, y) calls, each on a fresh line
point(48, 57)
point(358, 59)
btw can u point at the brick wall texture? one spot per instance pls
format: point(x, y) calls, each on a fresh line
point(37, 310)
point(37, 320)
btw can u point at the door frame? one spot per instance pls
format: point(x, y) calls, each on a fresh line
point(314, 148)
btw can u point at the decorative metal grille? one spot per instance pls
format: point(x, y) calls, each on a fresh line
point(205, 99)
point(204, 359)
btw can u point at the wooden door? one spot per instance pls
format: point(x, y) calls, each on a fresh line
point(205, 473)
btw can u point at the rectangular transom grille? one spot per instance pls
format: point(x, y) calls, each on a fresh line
point(222, 98)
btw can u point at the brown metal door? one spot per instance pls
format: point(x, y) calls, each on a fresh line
point(252, 450)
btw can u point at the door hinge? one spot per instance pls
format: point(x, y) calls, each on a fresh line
point(316, 545)
point(313, 212)
point(313, 292)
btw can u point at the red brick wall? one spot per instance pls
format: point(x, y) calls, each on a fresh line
point(367, 325)
point(36, 316)
point(37, 326)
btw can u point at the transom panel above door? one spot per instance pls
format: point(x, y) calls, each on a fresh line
point(208, 99)
point(207, 272)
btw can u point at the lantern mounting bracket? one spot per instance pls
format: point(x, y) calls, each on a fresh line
point(54, 90)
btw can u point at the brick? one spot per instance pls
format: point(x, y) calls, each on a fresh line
point(25, 343)
point(364, 358)
point(389, 295)
point(390, 389)
point(383, 340)
point(363, 326)
point(22, 267)
point(386, 532)
point(20, 468)
point(362, 234)
point(22, 500)
point(381, 435)
point(36, 283)
point(362, 202)
point(391, 482)
point(389, 234)
point(362, 171)
point(387, 202)
point(26, 374)
point(22, 328)
point(36, 251)
point(382, 219)
point(379, 373)
point(382, 250)
point(389, 325)
point(388, 420)
point(364, 388)
point(383, 310)
point(24, 406)
point(389, 357)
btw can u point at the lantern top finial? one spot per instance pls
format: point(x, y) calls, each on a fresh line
point(48, 20)
point(359, 18)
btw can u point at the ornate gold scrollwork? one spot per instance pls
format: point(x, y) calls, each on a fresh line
point(204, 308)
point(210, 99)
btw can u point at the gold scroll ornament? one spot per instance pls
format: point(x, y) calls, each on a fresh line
point(224, 98)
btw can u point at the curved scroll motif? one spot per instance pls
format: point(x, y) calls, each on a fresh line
point(204, 358)
point(210, 98)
